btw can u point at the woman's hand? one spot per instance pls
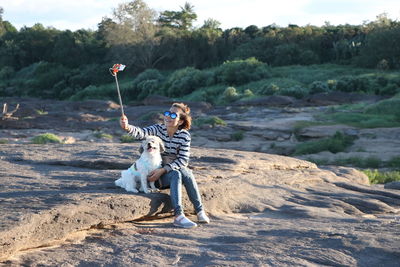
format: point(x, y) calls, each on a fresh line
point(156, 174)
point(123, 121)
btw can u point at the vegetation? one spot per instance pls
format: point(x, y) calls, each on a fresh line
point(101, 135)
point(166, 55)
point(385, 113)
point(212, 120)
point(151, 116)
point(127, 139)
point(338, 143)
point(394, 163)
point(237, 136)
point(378, 177)
point(46, 138)
point(360, 162)
point(369, 162)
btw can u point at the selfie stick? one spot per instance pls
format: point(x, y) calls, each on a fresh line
point(114, 70)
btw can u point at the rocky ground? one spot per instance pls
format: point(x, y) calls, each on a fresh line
point(60, 206)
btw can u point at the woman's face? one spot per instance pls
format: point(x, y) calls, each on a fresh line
point(169, 122)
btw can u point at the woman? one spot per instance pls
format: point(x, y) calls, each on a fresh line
point(174, 132)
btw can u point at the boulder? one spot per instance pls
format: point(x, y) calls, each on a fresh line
point(393, 185)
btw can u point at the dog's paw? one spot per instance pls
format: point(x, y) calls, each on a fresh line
point(133, 190)
point(155, 190)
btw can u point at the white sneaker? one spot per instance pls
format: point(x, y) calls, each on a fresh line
point(202, 217)
point(182, 221)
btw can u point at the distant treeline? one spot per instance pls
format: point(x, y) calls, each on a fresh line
point(136, 35)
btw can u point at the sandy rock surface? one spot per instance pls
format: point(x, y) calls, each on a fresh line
point(60, 207)
point(61, 198)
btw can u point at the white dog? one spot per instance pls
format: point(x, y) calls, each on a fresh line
point(150, 159)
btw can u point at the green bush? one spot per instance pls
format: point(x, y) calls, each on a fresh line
point(371, 162)
point(185, 81)
point(149, 74)
point(350, 161)
point(3, 141)
point(360, 120)
point(308, 57)
point(213, 121)
point(394, 163)
point(152, 116)
point(377, 177)
point(270, 89)
point(230, 94)
point(237, 136)
point(66, 93)
point(46, 138)
point(45, 77)
point(90, 74)
point(147, 88)
point(239, 72)
point(385, 107)
point(320, 72)
point(295, 91)
point(248, 93)
point(319, 87)
point(273, 85)
point(27, 72)
point(96, 92)
point(390, 89)
point(6, 73)
point(286, 54)
point(353, 84)
point(38, 79)
point(331, 84)
point(127, 139)
point(338, 143)
point(101, 135)
point(210, 94)
point(146, 83)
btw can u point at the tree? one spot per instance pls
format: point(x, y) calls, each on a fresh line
point(134, 23)
point(211, 24)
point(131, 35)
point(74, 49)
point(2, 30)
point(182, 20)
point(187, 16)
point(381, 45)
point(36, 43)
point(252, 31)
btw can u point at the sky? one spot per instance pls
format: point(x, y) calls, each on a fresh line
point(86, 14)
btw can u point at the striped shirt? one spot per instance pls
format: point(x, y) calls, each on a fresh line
point(178, 145)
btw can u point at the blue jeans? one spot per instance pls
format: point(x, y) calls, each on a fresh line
point(174, 180)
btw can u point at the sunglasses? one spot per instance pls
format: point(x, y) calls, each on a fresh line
point(173, 115)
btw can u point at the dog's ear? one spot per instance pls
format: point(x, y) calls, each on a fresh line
point(141, 149)
point(162, 147)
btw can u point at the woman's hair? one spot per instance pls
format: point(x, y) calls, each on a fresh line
point(184, 115)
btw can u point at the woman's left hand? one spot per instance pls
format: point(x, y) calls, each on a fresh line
point(156, 174)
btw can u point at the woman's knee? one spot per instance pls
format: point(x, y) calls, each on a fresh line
point(176, 175)
point(187, 174)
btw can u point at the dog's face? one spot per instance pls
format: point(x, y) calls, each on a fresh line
point(152, 144)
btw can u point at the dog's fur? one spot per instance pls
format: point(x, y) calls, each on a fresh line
point(150, 159)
